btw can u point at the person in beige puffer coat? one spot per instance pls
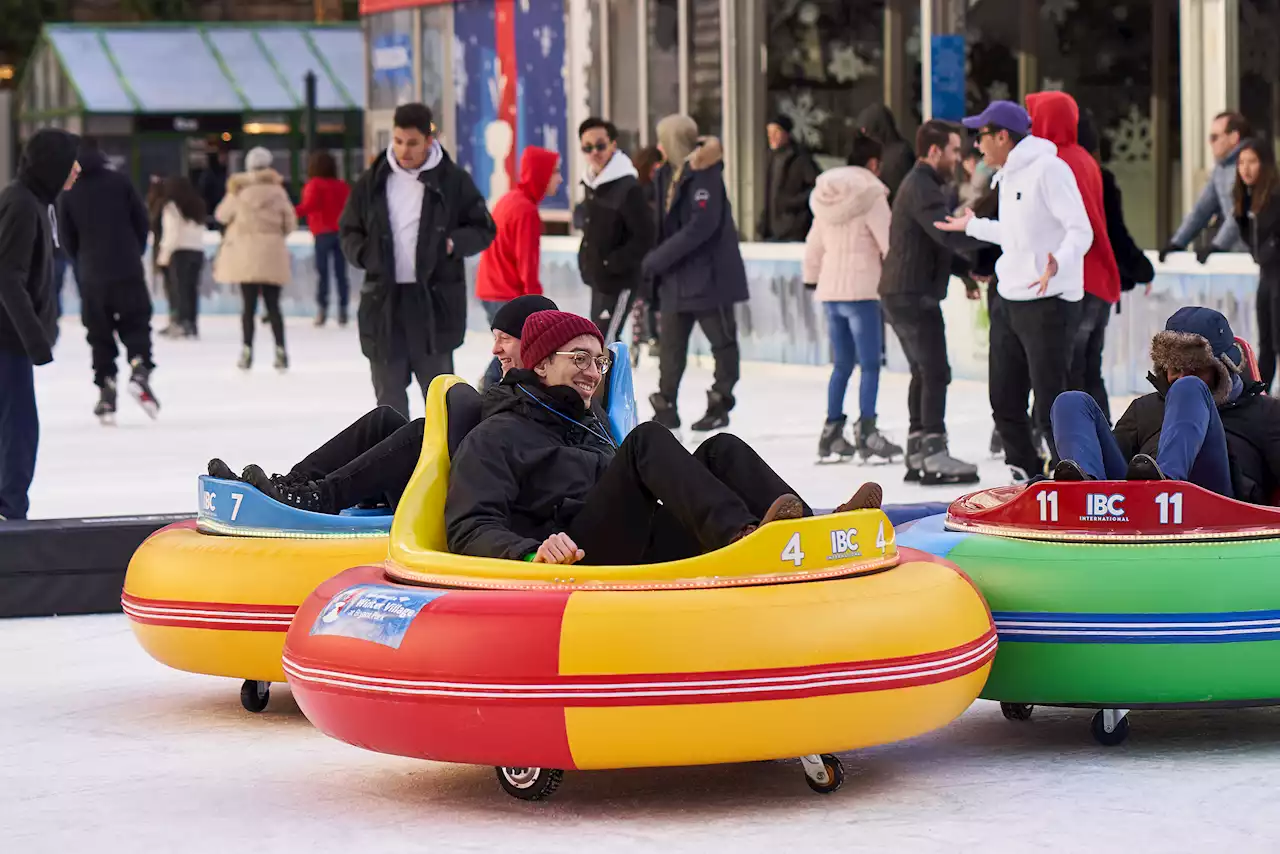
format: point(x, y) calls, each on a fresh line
point(842, 256)
point(259, 217)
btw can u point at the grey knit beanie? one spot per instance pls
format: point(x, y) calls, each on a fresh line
point(257, 158)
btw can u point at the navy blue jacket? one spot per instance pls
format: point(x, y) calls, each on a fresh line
point(696, 265)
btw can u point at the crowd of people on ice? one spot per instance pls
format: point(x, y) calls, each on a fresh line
point(1037, 220)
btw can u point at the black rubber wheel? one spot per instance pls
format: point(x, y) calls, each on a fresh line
point(1016, 711)
point(1109, 739)
point(530, 784)
point(835, 773)
point(254, 695)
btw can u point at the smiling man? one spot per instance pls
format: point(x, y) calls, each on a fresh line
point(617, 226)
point(540, 478)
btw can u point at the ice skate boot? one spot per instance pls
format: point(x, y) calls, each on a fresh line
point(717, 415)
point(914, 457)
point(996, 447)
point(322, 317)
point(939, 467)
point(342, 315)
point(872, 444)
point(140, 388)
point(246, 358)
point(220, 470)
point(832, 445)
point(292, 489)
point(105, 408)
point(282, 360)
point(664, 411)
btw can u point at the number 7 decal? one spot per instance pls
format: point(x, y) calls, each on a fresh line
point(236, 498)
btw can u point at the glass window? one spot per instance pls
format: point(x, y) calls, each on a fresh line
point(825, 65)
point(703, 46)
point(625, 78)
point(1259, 69)
point(664, 61)
point(436, 32)
point(391, 55)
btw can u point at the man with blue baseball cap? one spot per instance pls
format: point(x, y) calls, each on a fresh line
point(1205, 422)
point(1043, 232)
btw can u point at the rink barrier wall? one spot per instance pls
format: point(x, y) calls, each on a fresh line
point(782, 323)
point(54, 567)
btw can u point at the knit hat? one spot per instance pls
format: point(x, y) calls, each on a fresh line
point(1196, 338)
point(678, 136)
point(783, 121)
point(257, 158)
point(511, 317)
point(545, 332)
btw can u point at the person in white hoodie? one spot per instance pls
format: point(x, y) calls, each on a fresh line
point(1043, 233)
point(617, 227)
point(842, 259)
point(181, 250)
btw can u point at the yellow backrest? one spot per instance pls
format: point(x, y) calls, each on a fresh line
point(419, 521)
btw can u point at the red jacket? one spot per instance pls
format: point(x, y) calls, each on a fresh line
point(1055, 117)
point(509, 267)
point(322, 202)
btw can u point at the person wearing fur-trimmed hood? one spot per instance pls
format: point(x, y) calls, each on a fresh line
point(1205, 423)
point(696, 269)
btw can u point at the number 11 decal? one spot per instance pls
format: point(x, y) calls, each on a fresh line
point(1166, 501)
point(1048, 506)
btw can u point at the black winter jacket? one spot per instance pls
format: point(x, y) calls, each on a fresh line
point(1135, 267)
point(897, 155)
point(617, 231)
point(524, 472)
point(1261, 233)
point(1252, 425)
point(103, 224)
point(786, 216)
point(452, 208)
point(696, 265)
point(28, 304)
point(922, 258)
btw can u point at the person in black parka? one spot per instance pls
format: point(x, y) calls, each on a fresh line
point(104, 227)
point(696, 268)
point(899, 158)
point(411, 220)
point(790, 173)
point(28, 306)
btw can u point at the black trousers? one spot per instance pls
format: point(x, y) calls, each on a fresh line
point(1031, 351)
point(271, 296)
point(917, 321)
point(707, 498)
point(408, 352)
point(721, 329)
point(119, 310)
point(1086, 358)
point(370, 461)
point(183, 277)
point(1268, 325)
point(609, 313)
point(19, 433)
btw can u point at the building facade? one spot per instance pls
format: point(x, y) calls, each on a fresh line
point(502, 74)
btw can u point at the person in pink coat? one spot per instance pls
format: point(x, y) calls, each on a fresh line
point(842, 257)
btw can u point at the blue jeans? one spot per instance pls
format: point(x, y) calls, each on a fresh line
point(856, 335)
point(1193, 445)
point(493, 373)
point(19, 433)
point(329, 252)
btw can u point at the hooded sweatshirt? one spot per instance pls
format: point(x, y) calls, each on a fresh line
point(28, 305)
point(1041, 212)
point(103, 226)
point(509, 267)
point(897, 156)
point(1056, 117)
point(850, 234)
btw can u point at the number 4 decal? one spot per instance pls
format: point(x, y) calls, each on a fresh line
point(792, 551)
point(880, 542)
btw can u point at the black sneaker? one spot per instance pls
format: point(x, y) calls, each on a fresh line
point(1069, 471)
point(291, 489)
point(220, 470)
point(1144, 467)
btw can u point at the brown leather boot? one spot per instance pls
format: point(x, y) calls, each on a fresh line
point(785, 506)
point(868, 497)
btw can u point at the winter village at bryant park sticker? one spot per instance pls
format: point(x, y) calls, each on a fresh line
point(373, 613)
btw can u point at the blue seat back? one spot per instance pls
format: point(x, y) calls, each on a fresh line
point(620, 396)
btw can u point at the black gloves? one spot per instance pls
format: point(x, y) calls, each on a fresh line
point(810, 286)
point(1172, 247)
point(1203, 253)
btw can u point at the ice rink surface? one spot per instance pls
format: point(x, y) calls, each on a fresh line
point(104, 750)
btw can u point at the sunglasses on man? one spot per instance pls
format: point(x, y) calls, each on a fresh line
point(587, 148)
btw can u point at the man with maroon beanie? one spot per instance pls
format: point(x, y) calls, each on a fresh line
point(1056, 117)
point(541, 479)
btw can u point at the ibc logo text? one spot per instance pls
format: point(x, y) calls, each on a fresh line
point(1104, 507)
point(844, 543)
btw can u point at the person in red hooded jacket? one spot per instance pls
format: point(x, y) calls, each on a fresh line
point(1056, 117)
point(509, 267)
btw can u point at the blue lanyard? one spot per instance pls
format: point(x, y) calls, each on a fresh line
point(601, 436)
